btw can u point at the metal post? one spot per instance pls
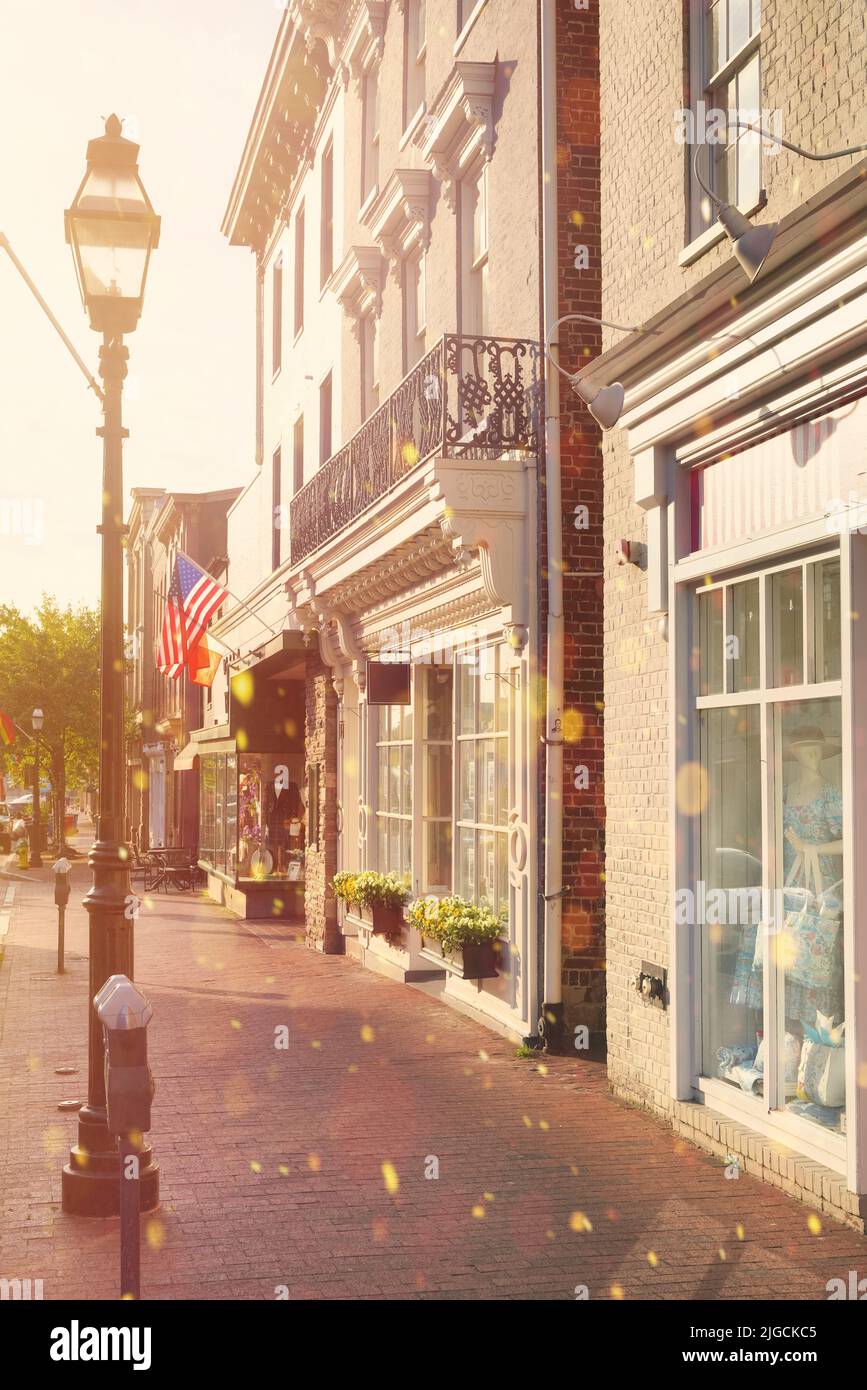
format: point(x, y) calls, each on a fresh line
point(130, 1218)
point(61, 897)
point(61, 928)
point(36, 828)
point(90, 1179)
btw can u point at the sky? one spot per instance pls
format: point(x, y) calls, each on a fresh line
point(185, 75)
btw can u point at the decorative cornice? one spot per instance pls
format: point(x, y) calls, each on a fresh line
point(431, 553)
point(458, 132)
point(399, 219)
point(357, 282)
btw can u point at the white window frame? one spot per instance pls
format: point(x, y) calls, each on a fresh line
point(370, 134)
point(380, 715)
point(767, 1113)
point(414, 309)
point(474, 262)
point(414, 63)
point(369, 357)
point(491, 656)
point(702, 85)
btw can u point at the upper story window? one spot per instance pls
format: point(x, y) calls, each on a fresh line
point(276, 468)
point(369, 365)
point(414, 53)
point(415, 310)
point(369, 133)
point(327, 215)
point(474, 253)
point(277, 315)
point(299, 270)
point(325, 420)
point(466, 10)
point(298, 455)
point(725, 86)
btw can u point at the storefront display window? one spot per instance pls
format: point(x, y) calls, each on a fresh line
point(437, 692)
point(270, 816)
point(394, 790)
point(441, 787)
point(769, 815)
point(252, 815)
point(483, 779)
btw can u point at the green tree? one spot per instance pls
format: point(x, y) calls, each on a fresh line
point(51, 660)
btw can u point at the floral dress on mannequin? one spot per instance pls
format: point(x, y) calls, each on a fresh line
point(817, 822)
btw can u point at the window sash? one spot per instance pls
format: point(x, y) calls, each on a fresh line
point(277, 316)
point(299, 271)
point(717, 72)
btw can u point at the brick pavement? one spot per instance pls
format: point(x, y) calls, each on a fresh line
point(272, 1159)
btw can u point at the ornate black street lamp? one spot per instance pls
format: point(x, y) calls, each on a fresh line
point(37, 719)
point(112, 229)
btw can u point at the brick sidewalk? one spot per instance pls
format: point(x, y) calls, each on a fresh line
point(272, 1159)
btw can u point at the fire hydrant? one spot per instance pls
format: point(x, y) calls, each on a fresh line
point(22, 849)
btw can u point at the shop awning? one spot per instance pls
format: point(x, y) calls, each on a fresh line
point(185, 761)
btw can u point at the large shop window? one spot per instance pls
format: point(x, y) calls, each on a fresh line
point(251, 815)
point(437, 684)
point(768, 810)
point(394, 790)
point(483, 779)
point(218, 811)
point(270, 816)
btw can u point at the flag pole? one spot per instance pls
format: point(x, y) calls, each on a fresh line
point(275, 632)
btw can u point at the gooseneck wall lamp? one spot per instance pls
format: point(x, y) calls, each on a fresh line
point(604, 402)
point(751, 242)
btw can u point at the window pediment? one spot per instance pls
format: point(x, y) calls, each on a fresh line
point(357, 282)
point(366, 39)
point(458, 133)
point(399, 219)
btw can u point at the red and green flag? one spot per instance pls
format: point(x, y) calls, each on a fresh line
point(7, 729)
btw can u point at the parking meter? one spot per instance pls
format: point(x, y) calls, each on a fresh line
point(61, 881)
point(124, 1013)
point(61, 869)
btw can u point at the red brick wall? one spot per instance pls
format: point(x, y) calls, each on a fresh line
point(581, 466)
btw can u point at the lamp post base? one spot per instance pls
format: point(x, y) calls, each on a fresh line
point(90, 1182)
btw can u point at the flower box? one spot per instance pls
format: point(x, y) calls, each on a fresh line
point(468, 962)
point(382, 920)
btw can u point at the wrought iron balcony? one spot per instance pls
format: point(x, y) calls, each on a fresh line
point(473, 398)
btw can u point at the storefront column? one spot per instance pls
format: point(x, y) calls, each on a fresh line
point(320, 913)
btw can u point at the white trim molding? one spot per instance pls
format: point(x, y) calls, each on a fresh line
point(458, 134)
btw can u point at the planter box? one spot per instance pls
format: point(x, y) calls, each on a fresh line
point(383, 921)
point(467, 962)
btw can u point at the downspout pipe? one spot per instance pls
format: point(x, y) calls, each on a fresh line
point(551, 1022)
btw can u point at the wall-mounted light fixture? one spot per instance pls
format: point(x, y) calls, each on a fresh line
point(752, 242)
point(604, 402)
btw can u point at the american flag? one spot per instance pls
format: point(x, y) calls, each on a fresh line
point(193, 596)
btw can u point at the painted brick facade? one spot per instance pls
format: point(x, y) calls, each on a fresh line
point(814, 60)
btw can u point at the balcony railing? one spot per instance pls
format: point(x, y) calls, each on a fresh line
point(472, 398)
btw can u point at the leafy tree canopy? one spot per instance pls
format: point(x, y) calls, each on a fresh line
point(50, 660)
